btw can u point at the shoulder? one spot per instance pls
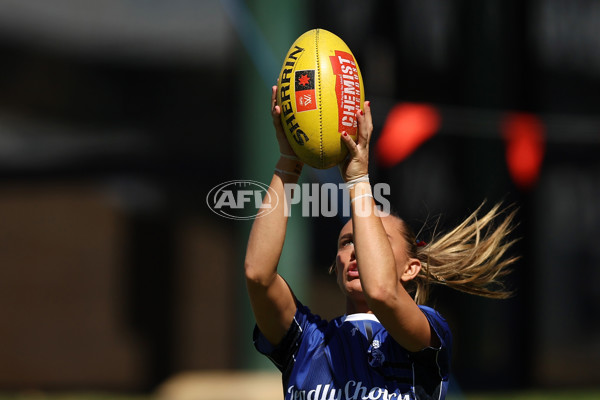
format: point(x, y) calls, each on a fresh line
point(439, 325)
point(307, 321)
point(305, 333)
point(432, 313)
point(304, 326)
point(435, 361)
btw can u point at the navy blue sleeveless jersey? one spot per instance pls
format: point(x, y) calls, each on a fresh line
point(353, 358)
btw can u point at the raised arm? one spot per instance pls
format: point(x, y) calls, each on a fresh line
point(381, 268)
point(271, 298)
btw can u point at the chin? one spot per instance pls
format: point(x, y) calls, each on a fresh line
point(353, 289)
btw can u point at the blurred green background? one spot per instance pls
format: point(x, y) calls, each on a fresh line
point(118, 117)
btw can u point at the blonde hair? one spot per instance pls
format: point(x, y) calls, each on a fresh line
point(470, 258)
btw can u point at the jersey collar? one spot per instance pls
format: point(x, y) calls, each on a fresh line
point(359, 317)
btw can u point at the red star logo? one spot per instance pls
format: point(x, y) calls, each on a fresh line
point(304, 80)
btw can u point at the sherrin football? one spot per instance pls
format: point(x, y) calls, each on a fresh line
point(320, 90)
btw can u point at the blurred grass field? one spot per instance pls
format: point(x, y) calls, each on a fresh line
point(534, 395)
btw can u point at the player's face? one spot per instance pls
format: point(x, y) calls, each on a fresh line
point(346, 264)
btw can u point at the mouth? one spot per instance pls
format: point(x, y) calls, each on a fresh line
point(352, 270)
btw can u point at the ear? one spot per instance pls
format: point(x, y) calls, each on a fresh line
point(411, 270)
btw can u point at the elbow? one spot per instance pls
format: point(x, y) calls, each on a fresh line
point(382, 298)
point(257, 276)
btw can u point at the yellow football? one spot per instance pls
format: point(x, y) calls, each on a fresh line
point(320, 90)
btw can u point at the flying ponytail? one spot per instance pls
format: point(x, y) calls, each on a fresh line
point(470, 258)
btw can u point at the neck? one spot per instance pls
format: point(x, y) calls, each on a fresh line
point(354, 307)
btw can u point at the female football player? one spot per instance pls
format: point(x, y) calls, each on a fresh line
point(387, 345)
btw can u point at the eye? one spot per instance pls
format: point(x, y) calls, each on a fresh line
point(345, 240)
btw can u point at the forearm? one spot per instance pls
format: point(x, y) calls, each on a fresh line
point(376, 262)
point(268, 232)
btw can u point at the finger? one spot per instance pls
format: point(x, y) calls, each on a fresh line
point(275, 109)
point(365, 124)
point(361, 131)
point(276, 114)
point(350, 144)
point(368, 116)
point(273, 97)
